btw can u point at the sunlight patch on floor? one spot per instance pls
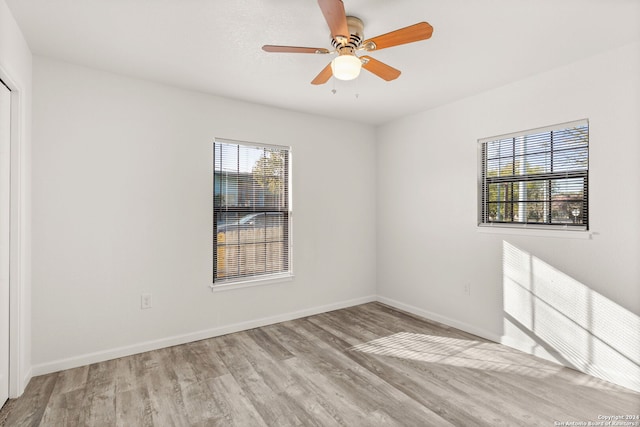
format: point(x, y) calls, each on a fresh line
point(455, 352)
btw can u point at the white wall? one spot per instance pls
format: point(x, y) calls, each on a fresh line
point(15, 71)
point(122, 196)
point(122, 205)
point(429, 247)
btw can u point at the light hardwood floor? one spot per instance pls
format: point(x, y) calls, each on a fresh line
point(362, 366)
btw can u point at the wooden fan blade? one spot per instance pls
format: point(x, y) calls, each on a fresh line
point(334, 14)
point(324, 76)
point(293, 49)
point(410, 34)
point(380, 69)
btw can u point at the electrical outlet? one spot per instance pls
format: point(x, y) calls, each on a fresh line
point(146, 301)
point(467, 289)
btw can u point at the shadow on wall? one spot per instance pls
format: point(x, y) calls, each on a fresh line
point(579, 327)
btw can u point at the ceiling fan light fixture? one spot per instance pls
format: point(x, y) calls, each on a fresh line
point(346, 67)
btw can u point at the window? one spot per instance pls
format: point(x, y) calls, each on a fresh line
point(251, 211)
point(536, 178)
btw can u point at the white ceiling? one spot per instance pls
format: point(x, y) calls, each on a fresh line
point(214, 46)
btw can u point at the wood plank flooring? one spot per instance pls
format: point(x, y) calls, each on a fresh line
point(368, 365)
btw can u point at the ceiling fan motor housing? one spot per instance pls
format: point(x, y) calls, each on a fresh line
point(356, 35)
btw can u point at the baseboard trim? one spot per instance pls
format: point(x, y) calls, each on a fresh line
point(25, 381)
point(430, 315)
point(101, 356)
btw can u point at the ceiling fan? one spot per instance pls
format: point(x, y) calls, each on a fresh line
point(347, 39)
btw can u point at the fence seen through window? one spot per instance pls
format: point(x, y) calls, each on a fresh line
point(251, 212)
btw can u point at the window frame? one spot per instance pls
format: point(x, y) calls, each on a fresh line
point(262, 278)
point(483, 183)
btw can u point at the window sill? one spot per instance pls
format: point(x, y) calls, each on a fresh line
point(561, 233)
point(248, 283)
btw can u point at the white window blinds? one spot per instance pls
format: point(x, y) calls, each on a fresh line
point(251, 211)
point(538, 177)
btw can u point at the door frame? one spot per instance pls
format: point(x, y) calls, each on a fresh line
point(18, 293)
point(5, 238)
